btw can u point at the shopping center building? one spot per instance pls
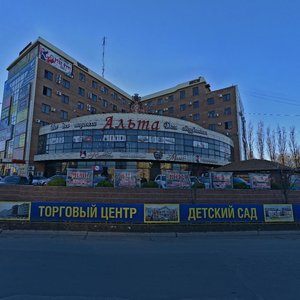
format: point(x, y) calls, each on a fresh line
point(57, 113)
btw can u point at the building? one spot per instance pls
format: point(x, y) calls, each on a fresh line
point(56, 113)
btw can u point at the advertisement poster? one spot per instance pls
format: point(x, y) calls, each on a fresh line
point(161, 213)
point(127, 178)
point(260, 181)
point(19, 211)
point(55, 60)
point(221, 180)
point(177, 179)
point(278, 213)
point(79, 177)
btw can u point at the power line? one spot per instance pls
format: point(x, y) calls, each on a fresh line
point(273, 115)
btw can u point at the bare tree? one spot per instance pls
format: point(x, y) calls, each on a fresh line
point(271, 144)
point(282, 144)
point(250, 141)
point(294, 148)
point(260, 139)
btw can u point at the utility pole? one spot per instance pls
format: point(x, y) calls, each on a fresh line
point(103, 54)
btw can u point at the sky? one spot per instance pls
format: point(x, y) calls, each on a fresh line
point(153, 45)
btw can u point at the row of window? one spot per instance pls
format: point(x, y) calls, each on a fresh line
point(182, 95)
point(133, 141)
point(81, 91)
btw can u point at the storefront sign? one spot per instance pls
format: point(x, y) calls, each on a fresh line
point(79, 177)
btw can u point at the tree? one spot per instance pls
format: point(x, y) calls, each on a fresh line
point(250, 141)
point(282, 144)
point(260, 139)
point(294, 148)
point(271, 144)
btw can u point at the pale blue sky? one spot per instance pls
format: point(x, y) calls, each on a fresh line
point(156, 44)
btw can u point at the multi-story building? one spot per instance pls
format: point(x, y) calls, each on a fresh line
point(220, 110)
point(48, 93)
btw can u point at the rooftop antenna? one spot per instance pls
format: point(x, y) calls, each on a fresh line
point(103, 53)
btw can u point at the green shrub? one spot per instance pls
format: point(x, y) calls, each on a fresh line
point(104, 183)
point(276, 186)
point(57, 182)
point(150, 184)
point(240, 186)
point(198, 185)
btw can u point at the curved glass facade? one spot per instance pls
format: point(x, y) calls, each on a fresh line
point(134, 141)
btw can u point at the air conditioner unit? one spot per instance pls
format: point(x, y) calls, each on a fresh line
point(220, 124)
point(190, 115)
point(58, 93)
point(216, 115)
point(190, 103)
point(53, 109)
point(220, 95)
point(37, 121)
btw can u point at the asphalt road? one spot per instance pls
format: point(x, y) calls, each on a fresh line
point(36, 265)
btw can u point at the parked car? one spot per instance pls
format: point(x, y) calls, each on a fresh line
point(54, 177)
point(39, 180)
point(14, 180)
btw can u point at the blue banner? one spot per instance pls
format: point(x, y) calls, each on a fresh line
point(87, 212)
point(296, 210)
point(221, 213)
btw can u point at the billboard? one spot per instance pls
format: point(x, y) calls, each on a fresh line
point(79, 177)
point(55, 60)
point(260, 181)
point(127, 178)
point(177, 179)
point(221, 180)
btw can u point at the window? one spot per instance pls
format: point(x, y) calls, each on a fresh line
point(46, 108)
point(182, 94)
point(196, 117)
point(195, 91)
point(160, 112)
point(81, 77)
point(196, 104)
point(115, 108)
point(228, 125)
point(104, 90)
point(93, 110)
point(93, 97)
point(183, 118)
point(48, 75)
point(183, 107)
point(227, 111)
point(171, 109)
point(212, 127)
point(65, 99)
point(104, 103)
point(171, 98)
point(159, 101)
point(65, 83)
point(114, 96)
point(81, 91)
point(63, 115)
point(212, 114)
point(210, 101)
point(226, 97)
point(94, 84)
point(80, 105)
point(47, 91)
